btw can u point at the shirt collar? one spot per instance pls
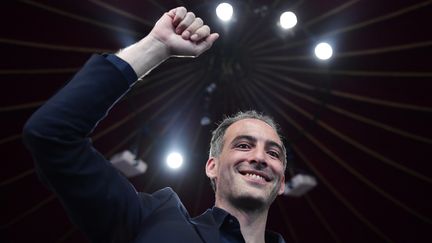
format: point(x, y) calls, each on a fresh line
point(221, 216)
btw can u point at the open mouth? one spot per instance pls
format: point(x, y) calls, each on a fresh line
point(256, 175)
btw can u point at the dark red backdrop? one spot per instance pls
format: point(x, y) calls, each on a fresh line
point(360, 123)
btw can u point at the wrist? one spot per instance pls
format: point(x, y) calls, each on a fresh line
point(145, 55)
point(154, 47)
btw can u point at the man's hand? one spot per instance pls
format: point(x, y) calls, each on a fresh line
point(176, 33)
point(183, 33)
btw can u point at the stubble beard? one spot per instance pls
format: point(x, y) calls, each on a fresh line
point(249, 203)
point(243, 199)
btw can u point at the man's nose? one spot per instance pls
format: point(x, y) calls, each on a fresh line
point(259, 157)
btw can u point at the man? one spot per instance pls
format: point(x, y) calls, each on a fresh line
point(246, 163)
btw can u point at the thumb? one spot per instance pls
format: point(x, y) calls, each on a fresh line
point(212, 38)
point(207, 43)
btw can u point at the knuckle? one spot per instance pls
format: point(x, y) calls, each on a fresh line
point(190, 14)
point(206, 28)
point(182, 25)
point(199, 21)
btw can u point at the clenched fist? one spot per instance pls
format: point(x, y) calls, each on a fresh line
point(183, 33)
point(177, 33)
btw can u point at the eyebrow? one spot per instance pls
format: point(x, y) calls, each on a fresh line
point(268, 143)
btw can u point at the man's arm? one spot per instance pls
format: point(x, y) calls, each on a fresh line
point(97, 198)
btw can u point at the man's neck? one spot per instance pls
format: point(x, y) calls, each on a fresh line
point(252, 222)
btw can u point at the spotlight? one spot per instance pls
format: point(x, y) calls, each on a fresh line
point(224, 11)
point(288, 20)
point(323, 51)
point(174, 160)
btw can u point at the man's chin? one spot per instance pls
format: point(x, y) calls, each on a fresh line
point(250, 203)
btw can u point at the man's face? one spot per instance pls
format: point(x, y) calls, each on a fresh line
point(250, 167)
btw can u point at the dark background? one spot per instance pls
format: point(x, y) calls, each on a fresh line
point(360, 122)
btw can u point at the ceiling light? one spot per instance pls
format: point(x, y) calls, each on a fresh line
point(174, 160)
point(323, 51)
point(224, 11)
point(205, 120)
point(288, 20)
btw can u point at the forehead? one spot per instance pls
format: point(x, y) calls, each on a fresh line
point(251, 127)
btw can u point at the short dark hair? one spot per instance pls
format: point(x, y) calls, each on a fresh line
point(217, 140)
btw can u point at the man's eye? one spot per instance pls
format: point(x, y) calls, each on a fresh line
point(243, 146)
point(273, 154)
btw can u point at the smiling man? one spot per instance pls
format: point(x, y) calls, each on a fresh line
point(246, 162)
point(246, 167)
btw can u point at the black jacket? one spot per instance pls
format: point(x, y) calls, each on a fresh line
point(97, 198)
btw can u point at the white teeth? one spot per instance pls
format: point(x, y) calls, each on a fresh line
point(255, 176)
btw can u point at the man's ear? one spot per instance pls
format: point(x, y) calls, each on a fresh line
point(282, 186)
point(211, 168)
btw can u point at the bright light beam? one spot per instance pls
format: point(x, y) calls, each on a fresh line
point(224, 11)
point(174, 160)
